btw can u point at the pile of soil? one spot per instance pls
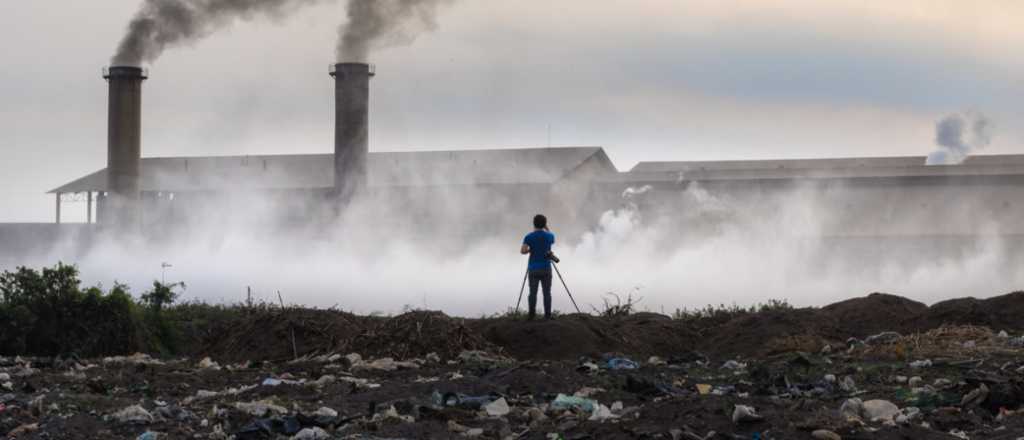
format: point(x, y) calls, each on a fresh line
point(278, 334)
point(267, 334)
point(414, 334)
point(771, 332)
point(873, 314)
point(1001, 312)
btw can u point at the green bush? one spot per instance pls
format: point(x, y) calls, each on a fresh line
point(48, 313)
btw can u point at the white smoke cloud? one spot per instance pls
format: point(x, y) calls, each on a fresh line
point(958, 136)
point(703, 247)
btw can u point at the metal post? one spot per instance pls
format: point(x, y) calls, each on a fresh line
point(88, 207)
point(521, 289)
point(58, 208)
point(566, 287)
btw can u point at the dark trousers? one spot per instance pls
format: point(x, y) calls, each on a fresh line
point(542, 277)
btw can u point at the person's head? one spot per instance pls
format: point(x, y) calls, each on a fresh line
point(540, 222)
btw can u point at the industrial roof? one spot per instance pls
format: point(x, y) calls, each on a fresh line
point(303, 171)
point(840, 168)
point(830, 163)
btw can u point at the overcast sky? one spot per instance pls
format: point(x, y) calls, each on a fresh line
point(646, 79)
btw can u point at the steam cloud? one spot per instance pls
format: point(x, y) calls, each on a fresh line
point(381, 23)
point(957, 136)
point(160, 24)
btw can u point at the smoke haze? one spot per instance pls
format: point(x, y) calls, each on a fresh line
point(683, 248)
point(160, 24)
point(958, 136)
point(381, 23)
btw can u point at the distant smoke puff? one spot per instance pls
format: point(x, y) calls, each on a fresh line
point(959, 135)
point(160, 24)
point(381, 23)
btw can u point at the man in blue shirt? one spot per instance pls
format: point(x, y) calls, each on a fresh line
point(538, 245)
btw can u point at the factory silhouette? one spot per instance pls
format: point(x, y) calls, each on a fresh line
point(870, 200)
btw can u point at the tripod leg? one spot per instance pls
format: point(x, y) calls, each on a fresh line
point(523, 287)
point(566, 287)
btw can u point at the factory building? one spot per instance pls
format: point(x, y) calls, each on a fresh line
point(490, 190)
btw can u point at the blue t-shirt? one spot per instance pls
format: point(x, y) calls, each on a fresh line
point(540, 244)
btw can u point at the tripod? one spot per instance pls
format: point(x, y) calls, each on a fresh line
point(560, 278)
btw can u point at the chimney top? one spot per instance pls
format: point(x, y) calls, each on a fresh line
point(125, 72)
point(354, 68)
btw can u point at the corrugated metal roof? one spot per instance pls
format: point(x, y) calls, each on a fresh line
point(830, 163)
point(414, 168)
point(842, 168)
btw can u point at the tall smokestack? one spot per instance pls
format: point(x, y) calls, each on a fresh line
point(124, 151)
point(351, 124)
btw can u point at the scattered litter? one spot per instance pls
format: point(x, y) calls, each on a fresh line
point(260, 408)
point(134, 414)
point(824, 434)
point(745, 414)
point(564, 402)
point(878, 409)
point(602, 413)
point(703, 388)
point(734, 365)
point(921, 363)
point(656, 361)
point(621, 364)
point(848, 385)
point(314, 433)
point(208, 364)
point(148, 435)
point(883, 338)
point(497, 408)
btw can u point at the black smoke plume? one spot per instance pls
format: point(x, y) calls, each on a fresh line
point(381, 23)
point(160, 24)
point(959, 135)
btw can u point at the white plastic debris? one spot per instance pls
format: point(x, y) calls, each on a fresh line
point(744, 413)
point(733, 365)
point(879, 409)
point(601, 413)
point(497, 408)
point(851, 409)
point(848, 385)
point(311, 434)
point(921, 363)
point(260, 408)
point(134, 414)
point(208, 364)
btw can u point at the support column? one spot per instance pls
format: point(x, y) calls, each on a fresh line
point(57, 207)
point(88, 207)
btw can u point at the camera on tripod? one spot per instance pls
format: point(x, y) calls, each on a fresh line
point(551, 256)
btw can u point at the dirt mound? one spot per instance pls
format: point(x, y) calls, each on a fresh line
point(1000, 313)
point(875, 313)
point(771, 332)
point(268, 334)
point(571, 336)
point(564, 338)
point(415, 334)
